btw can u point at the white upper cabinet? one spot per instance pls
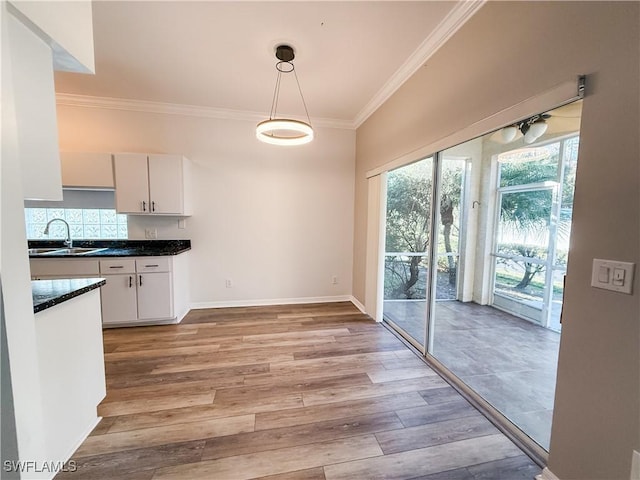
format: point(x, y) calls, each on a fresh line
point(166, 184)
point(86, 170)
point(34, 113)
point(151, 184)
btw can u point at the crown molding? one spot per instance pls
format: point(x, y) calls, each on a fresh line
point(455, 19)
point(145, 106)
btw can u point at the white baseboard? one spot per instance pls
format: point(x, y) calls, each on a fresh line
point(635, 465)
point(272, 301)
point(546, 475)
point(358, 305)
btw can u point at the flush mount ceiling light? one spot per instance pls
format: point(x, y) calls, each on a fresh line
point(284, 131)
point(532, 128)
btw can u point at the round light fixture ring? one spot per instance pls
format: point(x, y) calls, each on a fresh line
point(285, 67)
point(267, 131)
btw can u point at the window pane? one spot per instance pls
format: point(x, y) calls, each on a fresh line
point(529, 165)
point(93, 223)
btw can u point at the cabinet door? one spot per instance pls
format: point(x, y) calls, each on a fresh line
point(131, 182)
point(86, 170)
point(118, 297)
point(155, 296)
point(166, 184)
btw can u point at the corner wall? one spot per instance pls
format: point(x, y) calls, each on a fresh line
point(509, 52)
point(276, 221)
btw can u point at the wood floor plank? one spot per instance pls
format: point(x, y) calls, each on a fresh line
point(458, 408)
point(162, 390)
point(229, 376)
point(198, 363)
point(125, 407)
point(278, 438)
point(150, 437)
point(310, 474)
point(435, 433)
point(161, 352)
point(136, 463)
point(238, 394)
point(414, 463)
point(274, 462)
point(358, 392)
point(341, 410)
point(205, 412)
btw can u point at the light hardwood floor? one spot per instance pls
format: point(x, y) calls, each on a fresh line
point(287, 392)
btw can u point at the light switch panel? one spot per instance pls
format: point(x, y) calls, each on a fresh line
point(612, 275)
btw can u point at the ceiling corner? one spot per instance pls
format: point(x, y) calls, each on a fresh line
point(456, 18)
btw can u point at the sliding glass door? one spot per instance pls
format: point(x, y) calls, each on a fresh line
point(407, 246)
point(476, 244)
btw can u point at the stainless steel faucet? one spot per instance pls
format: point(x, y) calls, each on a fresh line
point(68, 242)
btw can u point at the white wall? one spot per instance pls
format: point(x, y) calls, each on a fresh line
point(276, 221)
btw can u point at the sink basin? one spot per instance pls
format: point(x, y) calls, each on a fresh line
point(40, 251)
point(72, 251)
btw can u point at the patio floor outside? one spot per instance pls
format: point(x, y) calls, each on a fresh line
point(508, 361)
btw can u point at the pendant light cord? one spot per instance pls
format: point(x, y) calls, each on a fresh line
point(276, 93)
point(302, 96)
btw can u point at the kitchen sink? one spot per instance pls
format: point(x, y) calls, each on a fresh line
point(40, 251)
point(64, 251)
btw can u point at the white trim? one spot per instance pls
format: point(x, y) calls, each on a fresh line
point(145, 106)
point(553, 98)
point(271, 301)
point(635, 465)
point(546, 475)
point(357, 304)
point(455, 19)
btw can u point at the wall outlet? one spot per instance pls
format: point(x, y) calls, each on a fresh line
point(150, 233)
point(228, 283)
point(182, 223)
point(334, 280)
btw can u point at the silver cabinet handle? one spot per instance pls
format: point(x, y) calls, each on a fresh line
point(130, 281)
point(153, 206)
point(144, 206)
point(117, 266)
point(149, 266)
point(140, 277)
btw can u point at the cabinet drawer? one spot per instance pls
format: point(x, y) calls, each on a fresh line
point(153, 264)
point(116, 266)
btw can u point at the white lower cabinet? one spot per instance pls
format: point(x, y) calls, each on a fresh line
point(154, 296)
point(137, 290)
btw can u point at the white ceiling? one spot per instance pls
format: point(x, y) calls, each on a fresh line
point(350, 56)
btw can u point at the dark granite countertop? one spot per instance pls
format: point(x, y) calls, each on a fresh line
point(114, 248)
point(49, 293)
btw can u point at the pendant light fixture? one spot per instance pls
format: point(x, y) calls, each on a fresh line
point(284, 131)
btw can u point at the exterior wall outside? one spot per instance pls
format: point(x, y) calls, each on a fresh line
point(507, 53)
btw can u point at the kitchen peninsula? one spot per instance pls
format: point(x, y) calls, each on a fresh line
point(70, 359)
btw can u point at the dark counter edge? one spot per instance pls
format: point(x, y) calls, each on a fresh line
point(63, 293)
point(116, 248)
